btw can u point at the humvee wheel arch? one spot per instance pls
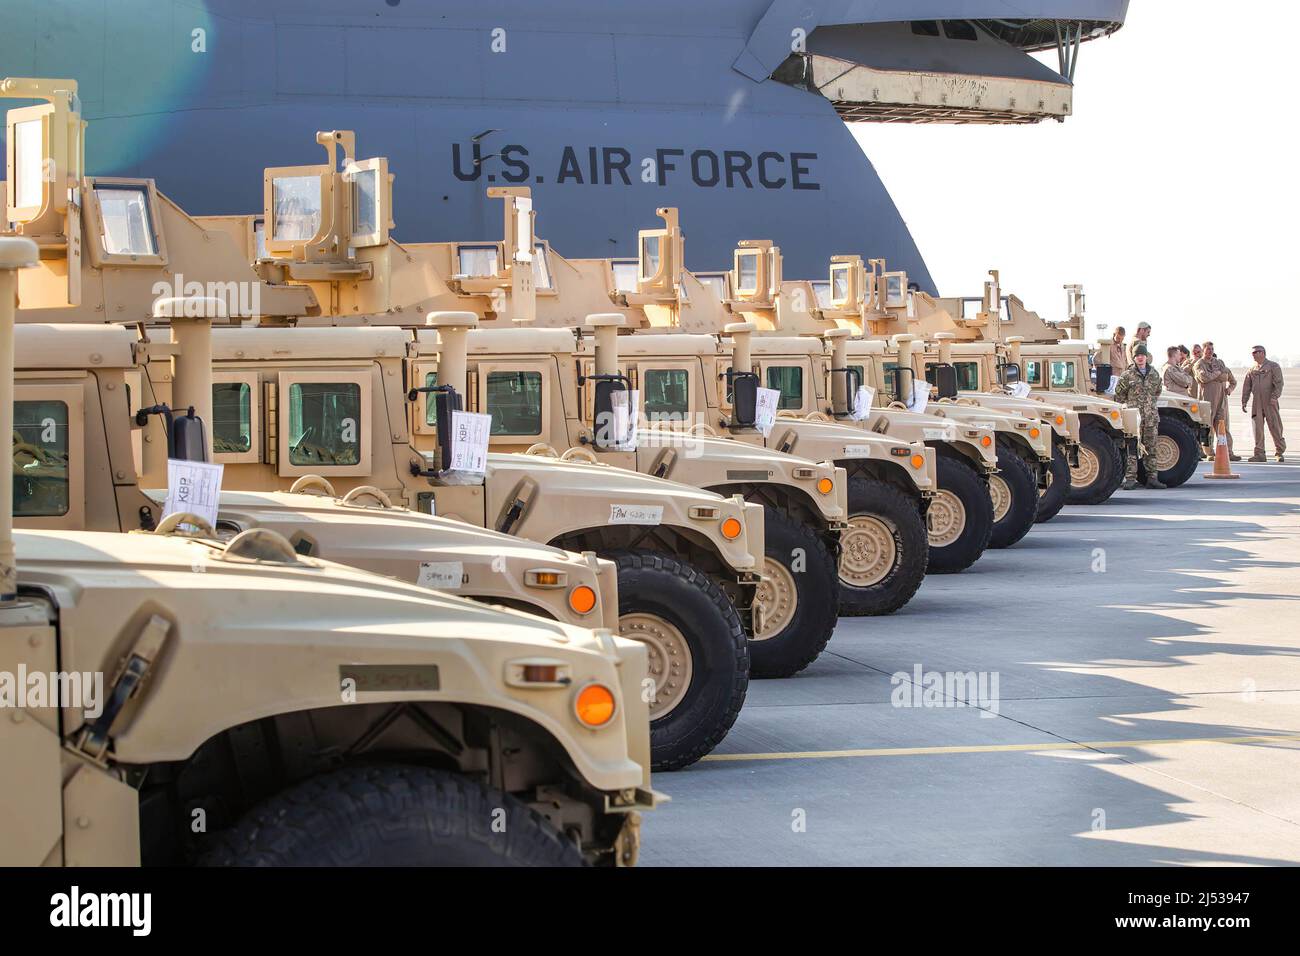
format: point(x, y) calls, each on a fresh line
point(392, 815)
point(227, 782)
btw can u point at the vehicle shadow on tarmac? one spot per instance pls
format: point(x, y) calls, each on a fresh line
point(1111, 642)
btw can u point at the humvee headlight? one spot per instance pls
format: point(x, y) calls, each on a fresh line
point(918, 461)
point(582, 599)
point(986, 441)
point(1034, 433)
point(731, 528)
point(594, 705)
point(825, 486)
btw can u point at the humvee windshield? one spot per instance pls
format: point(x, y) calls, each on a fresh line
point(665, 393)
point(232, 417)
point(40, 459)
point(324, 423)
point(514, 400)
point(1063, 375)
point(788, 380)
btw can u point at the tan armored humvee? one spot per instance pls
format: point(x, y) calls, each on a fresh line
point(77, 454)
point(520, 280)
point(1033, 460)
point(332, 403)
point(378, 281)
point(149, 678)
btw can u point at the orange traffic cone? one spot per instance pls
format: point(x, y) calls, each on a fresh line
point(1221, 468)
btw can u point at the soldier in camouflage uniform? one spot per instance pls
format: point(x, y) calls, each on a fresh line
point(1139, 387)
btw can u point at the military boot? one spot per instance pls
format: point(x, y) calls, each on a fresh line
point(1257, 457)
point(1156, 484)
point(1130, 484)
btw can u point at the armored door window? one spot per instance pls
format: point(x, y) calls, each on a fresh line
point(124, 211)
point(788, 380)
point(326, 424)
point(1063, 375)
point(514, 400)
point(968, 376)
point(541, 269)
point(665, 393)
point(625, 272)
point(28, 164)
point(296, 205)
point(1034, 373)
point(476, 262)
point(430, 404)
point(232, 418)
point(40, 459)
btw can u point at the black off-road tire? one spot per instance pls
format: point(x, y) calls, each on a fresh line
point(811, 567)
point(899, 512)
point(1022, 482)
point(677, 592)
point(1052, 498)
point(1110, 467)
point(961, 479)
point(1189, 453)
point(391, 815)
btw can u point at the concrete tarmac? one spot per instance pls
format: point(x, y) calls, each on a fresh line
point(1135, 674)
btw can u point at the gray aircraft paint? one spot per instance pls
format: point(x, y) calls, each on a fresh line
point(587, 101)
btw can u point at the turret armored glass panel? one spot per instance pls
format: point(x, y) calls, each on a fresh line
point(296, 201)
point(29, 155)
point(127, 228)
point(476, 261)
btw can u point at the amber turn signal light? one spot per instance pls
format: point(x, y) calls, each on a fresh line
point(731, 529)
point(986, 441)
point(594, 705)
point(918, 461)
point(825, 486)
point(582, 599)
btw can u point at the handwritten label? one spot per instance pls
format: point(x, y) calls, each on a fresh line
point(946, 433)
point(920, 396)
point(469, 441)
point(193, 486)
point(1020, 389)
point(765, 409)
point(857, 451)
point(441, 575)
point(636, 514)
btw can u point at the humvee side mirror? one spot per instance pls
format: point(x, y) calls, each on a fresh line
point(445, 401)
point(945, 380)
point(1008, 373)
point(603, 407)
point(186, 438)
point(1104, 373)
point(903, 393)
point(744, 398)
point(852, 382)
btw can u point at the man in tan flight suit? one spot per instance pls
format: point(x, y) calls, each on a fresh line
point(1264, 384)
point(1118, 355)
point(1217, 382)
point(1185, 363)
point(1140, 338)
point(1176, 378)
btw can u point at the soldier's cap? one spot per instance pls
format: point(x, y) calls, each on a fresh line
point(1144, 325)
point(1141, 350)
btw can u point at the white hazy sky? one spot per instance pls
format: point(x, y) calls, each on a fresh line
point(1171, 194)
